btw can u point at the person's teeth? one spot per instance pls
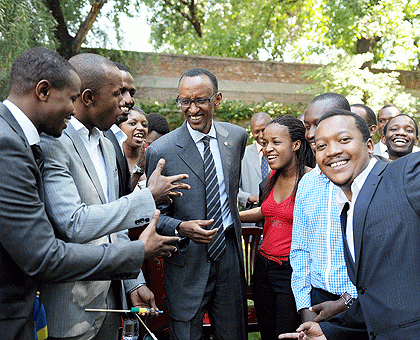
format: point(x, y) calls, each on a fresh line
point(333, 165)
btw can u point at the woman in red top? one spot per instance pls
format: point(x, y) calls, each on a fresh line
point(289, 155)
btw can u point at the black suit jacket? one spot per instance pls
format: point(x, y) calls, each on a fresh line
point(122, 165)
point(29, 250)
point(386, 227)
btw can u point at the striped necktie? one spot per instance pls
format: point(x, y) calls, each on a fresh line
point(264, 167)
point(217, 247)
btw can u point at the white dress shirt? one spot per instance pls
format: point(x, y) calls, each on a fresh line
point(29, 129)
point(342, 199)
point(120, 135)
point(91, 142)
point(214, 148)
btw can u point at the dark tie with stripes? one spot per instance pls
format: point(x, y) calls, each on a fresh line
point(39, 157)
point(217, 247)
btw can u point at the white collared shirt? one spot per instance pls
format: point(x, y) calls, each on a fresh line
point(342, 199)
point(259, 150)
point(120, 135)
point(214, 148)
point(29, 129)
point(91, 142)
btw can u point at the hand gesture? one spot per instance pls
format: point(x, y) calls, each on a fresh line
point(194, 231)
point(156, 245)
point(307, 331)
point(143, 297)
point(328, 309)
point(163, 187)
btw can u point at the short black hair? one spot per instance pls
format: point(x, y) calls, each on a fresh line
point(402, 114)
point(91, 69)
point(360, 122)
point(158, 123)
point(37, 64)
point(370, 115)
point(122, 67)
point(338, 100)
point(198, 71)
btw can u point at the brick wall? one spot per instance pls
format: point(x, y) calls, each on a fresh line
point(156, 77)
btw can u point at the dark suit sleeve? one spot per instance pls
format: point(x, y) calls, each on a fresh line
point(167, 224)
point(411, 179)
point(348, 325)
point(27, 237)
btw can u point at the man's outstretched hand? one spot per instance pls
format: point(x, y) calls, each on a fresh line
point(156, 245)
point(163, 187)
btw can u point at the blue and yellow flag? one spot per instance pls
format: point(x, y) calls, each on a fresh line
point(40, 320)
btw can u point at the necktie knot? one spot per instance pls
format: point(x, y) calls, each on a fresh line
point(206, 141)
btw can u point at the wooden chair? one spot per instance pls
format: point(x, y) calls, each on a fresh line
point(251, 242)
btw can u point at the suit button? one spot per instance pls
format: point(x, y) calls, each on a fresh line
point(361, 290)
point(137, 222)
point(147, 220)
point(372, 336)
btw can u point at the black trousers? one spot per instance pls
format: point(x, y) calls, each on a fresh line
point(274, 301)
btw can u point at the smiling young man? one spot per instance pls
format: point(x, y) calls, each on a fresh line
point(81, 199)
point(400, 135)
point(380, 204)
point(207, 273)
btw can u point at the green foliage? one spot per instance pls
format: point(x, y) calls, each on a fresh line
point(230, 111)
point(374, 89)
point(296, 28)
point(23, 24)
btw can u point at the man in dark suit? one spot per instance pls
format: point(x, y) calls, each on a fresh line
point(117, 136)
point(42, 89)
point(208, 272)
point(380, 217)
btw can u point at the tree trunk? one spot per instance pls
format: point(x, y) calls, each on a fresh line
point(69, 45)
point(365, 45)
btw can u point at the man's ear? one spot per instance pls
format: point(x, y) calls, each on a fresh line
point(87, 97)
point(218, 100)
point(42, 90)
point(370, 146)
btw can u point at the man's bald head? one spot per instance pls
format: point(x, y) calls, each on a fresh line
point(92, 69)
point(258, 123)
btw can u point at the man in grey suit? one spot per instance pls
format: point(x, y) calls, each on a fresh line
point(42, 90)
point(81, 196)
point(207, 273)
point(252, 164)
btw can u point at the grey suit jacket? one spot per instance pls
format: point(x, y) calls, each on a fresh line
point(187, 271)
point(29, 251)
point(250, 175)
point(76, 204)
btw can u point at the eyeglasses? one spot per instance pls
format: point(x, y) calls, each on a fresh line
point(199, 102)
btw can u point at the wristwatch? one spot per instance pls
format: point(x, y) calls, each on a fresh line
point(138, 170)
point(348, 299)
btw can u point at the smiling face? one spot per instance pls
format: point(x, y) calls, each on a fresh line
point(107, 100)
point(135, 128)
point(400, 136)
point(278, 147)
point(127, 92)
point(59, 106)
point(199, 118)
point(341, 152)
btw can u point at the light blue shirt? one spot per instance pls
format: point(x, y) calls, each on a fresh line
point(197, 137)
point(317, 251)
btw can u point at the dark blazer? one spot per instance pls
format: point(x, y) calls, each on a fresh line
point(187, 271)
point(124, 176)
point(29, 250)
point(387, 242)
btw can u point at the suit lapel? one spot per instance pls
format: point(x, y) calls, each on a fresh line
point(257, 164)
point(8, 117)
point(86, 160)
point(362, 205)
point(225, 148)
point(188, 152)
